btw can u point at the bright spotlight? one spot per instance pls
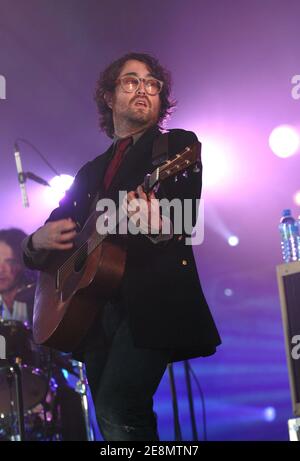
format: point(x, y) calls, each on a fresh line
point(284, 141)
point(233, 241)
point(59, 186)
point(216, 164)
point(297, 198)
point(269, 414)
point(228, 292)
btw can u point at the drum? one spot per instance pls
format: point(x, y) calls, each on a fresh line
point(31, 359)
point(40, 422)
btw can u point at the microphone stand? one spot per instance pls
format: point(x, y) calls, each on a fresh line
point(22, 177)
point(81, 388)
point(14, 374)
point(34, 177)
point(177, 429)
point(190, 399)
point(29, 175)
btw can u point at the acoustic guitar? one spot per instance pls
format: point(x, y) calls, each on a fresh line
point(76, 283)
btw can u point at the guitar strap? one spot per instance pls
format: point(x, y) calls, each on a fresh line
point(160, 150)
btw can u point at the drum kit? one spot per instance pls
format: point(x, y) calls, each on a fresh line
point(31, 382)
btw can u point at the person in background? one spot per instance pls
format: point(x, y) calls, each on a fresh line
point(17, 285)
point(16, 282)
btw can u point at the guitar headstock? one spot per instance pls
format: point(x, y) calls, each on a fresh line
point(177, 164)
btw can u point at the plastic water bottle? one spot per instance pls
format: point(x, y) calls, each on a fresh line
point(289, 233)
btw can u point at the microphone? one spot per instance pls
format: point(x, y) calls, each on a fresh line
point(21, 176)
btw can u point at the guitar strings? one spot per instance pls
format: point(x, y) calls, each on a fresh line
point(96, 239)
point(69, 263)
point(79, 250)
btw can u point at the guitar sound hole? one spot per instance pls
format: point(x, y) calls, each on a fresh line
point(81, 259)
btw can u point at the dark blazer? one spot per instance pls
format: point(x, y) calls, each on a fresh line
point(161, 290)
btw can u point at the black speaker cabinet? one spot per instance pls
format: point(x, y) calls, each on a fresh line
point(288, 277)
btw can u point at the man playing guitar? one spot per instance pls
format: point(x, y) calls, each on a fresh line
point(158, 313)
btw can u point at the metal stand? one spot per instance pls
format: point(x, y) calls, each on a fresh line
point(190, 398)
point(13, 371)
point(177, 430)
point(81, 388)
point(294, 429)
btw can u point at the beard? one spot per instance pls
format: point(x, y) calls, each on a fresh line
point(128, 115)
point(138, 116)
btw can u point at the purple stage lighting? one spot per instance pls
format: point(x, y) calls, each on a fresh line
point(59, 186)
point(297, 198)
point(233, 241)
point(284, 141)
point(216, 164)
point(269, 414)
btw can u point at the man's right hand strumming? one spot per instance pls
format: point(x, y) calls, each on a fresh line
point(56, 235)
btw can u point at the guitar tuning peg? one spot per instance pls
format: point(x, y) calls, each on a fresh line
point(196, 168)
point(185, 174)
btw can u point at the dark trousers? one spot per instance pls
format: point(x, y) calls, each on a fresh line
point(123, 380)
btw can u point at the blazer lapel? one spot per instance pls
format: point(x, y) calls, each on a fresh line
point(100, 165)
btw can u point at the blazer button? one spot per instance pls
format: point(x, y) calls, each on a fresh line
point(75, 203)
point(184, 262)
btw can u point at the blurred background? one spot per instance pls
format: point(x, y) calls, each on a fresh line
point(232, 63)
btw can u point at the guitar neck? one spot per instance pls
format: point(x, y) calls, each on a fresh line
point(99, 235)
point(99, 231)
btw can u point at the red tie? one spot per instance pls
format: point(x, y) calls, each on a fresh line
point(116, 161)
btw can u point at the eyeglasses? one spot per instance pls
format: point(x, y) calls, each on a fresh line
point(130, 84)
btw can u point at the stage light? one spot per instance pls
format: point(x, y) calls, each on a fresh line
point(233, 241)
point(228, 292)
point(59, 186)
point(284, 141)
point(216, 164)
point(297, 198)
point(269, 414)
point(65, 373)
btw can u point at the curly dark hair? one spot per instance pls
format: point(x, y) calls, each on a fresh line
point(13, 238)
point(107, 83)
